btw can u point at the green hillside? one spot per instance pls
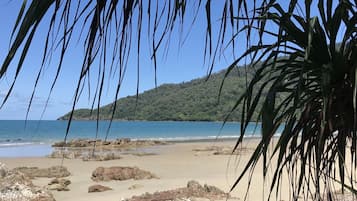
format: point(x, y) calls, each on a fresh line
point(196, 100)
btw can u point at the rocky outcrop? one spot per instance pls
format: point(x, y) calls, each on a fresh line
point(104, 150)
point(98, 188)
point(59, 184)
point(123, 143)
point(101, 157)
point(85, 155)
point(222, 150)
point(193, 191)
point(68, 154)
point(15, 185)
point(120, 173)
point(54, 171)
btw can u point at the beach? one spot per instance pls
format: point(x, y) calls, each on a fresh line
point(174, 164)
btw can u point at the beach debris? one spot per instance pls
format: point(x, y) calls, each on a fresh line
point(193, 191)
point(122, 143)
point(59, 184)
point(15, 185)
point(98, 188)
point(120, 173)
point(54, 171)
point(135, 186)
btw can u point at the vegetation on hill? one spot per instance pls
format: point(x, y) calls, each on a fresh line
point(196, 100)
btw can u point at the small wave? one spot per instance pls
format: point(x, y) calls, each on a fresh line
point(16, 144)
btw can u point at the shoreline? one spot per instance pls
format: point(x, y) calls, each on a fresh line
point(175, 165)
point(44, 149)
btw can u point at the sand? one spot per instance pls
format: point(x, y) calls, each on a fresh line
point(175, 165)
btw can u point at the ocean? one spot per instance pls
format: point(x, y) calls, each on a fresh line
point(34, 138)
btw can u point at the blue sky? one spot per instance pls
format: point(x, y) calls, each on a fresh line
point(183, 63)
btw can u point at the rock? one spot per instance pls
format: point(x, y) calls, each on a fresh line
point(54, 171)
point(217, 150)
point(68, 154)
point(135, 186)
point(122, 141)
point(192, 192)
point(101, 157)
point(98, 188)
point(3, 170)
point(199, 199)
point(59, 184)
point(15, 185)
point(117, 144)
point(194, 185)
point(58, 187)
point(65, 182)
point(120, 173)
point(212, 189)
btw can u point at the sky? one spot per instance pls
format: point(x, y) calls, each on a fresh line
point(182, 63)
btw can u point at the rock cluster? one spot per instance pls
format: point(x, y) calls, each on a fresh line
point(193, 192)
point(104, 150)
point(221, 150)
point(122, 143)
point(54, 171)
point(16, 186)
point(98, 188)
point(59, 184)
point(120, 173)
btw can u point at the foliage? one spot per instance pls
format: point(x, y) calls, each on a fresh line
point(196, 100)
point(318, 76)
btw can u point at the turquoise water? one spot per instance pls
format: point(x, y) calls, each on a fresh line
point(33, 138)
point(13, 132)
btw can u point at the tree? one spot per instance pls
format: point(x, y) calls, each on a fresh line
point(310, 57)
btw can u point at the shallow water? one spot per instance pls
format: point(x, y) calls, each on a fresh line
point(33, 138)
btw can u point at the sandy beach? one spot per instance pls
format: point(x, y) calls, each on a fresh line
point(175, 165)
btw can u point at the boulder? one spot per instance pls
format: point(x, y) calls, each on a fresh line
point(98, 188)
point(59, 184)
point(15, 185)
point(120, 173)
point(193, 191)
point(54, 171)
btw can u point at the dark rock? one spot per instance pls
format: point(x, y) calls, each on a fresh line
point(98, 188)
point(59, 184)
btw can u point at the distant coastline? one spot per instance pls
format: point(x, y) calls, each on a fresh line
point(201, 99)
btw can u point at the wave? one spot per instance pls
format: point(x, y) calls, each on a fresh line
point(17, 144)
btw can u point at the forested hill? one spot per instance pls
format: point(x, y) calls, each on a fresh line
point(196, 100)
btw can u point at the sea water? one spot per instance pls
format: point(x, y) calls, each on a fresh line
point(34, 138)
